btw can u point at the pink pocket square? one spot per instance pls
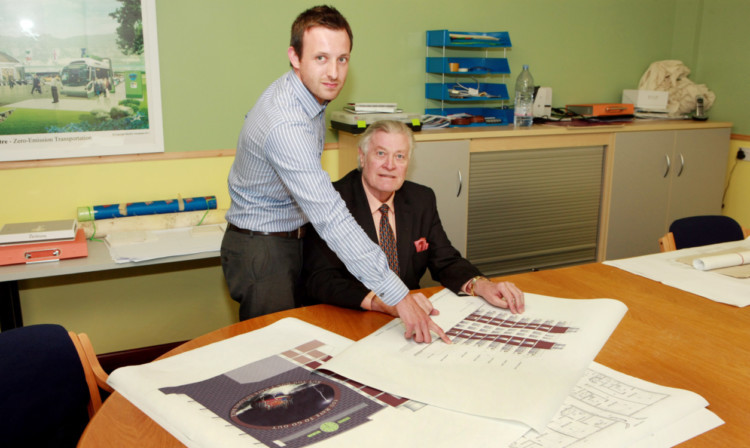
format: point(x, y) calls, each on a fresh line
point(421, 244)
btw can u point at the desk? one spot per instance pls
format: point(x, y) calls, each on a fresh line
point(98, 259)
point(669, 337)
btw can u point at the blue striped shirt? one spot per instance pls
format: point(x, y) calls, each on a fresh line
point(278, 184)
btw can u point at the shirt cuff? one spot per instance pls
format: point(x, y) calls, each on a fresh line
point(392, 290)
point(367, 301)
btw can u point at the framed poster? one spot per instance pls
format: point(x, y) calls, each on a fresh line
point(78, 78)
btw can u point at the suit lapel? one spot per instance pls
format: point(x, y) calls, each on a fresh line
point(360, 208)
point(404, 230)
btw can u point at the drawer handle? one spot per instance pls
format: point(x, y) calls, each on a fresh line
point(42, 253)
point(669, 165)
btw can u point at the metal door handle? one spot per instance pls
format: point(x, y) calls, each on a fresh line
point(682, 165)
point(460, 183)
point(669, 165)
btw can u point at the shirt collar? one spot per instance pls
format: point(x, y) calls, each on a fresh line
point(310, 105)
point(374, 202)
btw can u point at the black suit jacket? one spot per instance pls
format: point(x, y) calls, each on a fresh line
point(327, 280)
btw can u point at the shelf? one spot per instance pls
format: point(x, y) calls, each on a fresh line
point(445, 38)
point(505, 115)
point(440, 80)
point(439, 91)
point(475, 66)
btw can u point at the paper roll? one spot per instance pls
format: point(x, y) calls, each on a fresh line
point(722, 261)
point(103, 227)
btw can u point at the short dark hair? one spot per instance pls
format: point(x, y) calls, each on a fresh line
point(323, 15)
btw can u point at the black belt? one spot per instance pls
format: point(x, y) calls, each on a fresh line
point(294, 234)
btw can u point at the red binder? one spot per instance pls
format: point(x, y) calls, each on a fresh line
point(46, 251)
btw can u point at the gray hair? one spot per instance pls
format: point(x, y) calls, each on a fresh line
point(389, 127)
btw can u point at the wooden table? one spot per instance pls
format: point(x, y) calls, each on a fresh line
point(669, 337)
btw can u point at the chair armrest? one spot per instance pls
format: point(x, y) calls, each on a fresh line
point(99, 373)
point(96, 377)
point(666, 243)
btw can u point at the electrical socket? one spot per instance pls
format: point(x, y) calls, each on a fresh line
point(743, 154)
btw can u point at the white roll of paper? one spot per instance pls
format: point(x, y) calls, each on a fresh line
point(711, 262)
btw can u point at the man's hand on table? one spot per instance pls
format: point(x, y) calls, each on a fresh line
point(415, 311)
point(501, 294)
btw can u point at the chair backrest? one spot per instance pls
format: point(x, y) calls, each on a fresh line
point(45, 399)
point(704, 230)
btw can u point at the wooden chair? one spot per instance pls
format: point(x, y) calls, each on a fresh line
point(701, 231)
point(50, 383)
point(96, 377)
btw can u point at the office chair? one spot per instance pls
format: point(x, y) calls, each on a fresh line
point(696, 231)
point(49, 386)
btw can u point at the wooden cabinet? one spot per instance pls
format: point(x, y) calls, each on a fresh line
point(660, 176)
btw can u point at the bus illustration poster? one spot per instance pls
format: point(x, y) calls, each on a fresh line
point(79, 78)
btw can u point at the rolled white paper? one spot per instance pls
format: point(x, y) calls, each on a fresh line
point(722, 261)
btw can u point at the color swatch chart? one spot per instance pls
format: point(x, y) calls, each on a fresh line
point(494, 329)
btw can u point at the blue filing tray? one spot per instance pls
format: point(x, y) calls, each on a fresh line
point(441, 38)
point(505, 114)
point(439, 91)
point(476, 66)
point(468, 42)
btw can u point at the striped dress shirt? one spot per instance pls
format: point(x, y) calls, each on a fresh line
point(277, 183)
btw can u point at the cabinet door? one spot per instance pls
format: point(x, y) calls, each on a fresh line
point(699, 169)
point(444, 167)
point(643, 162)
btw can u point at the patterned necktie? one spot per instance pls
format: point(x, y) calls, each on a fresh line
point(387, 240)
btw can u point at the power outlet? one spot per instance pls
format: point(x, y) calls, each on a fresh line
point(743, 154)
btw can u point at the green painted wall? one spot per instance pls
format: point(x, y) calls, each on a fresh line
point(216, 57)
point(215, 60)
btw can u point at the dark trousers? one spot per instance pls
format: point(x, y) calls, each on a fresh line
point(262, 272)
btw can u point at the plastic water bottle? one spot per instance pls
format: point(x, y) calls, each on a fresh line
point(523, 113)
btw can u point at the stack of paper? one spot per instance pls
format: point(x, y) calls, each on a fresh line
point(383, 108)
point(142, 245)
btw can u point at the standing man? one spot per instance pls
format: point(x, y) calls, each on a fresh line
point(36, 85)
point(56, 84)
point(277, 185)
point(411, 216)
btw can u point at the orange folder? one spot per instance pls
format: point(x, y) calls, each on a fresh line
point(46, 251)
point(601, 109)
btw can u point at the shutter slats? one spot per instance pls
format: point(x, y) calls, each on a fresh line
point(534, 209)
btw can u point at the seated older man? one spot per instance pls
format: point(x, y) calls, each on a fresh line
point(402, 217)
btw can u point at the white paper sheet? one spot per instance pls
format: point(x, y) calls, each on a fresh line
point(605, 408)
point(692, 425)
point(142, 245)
point(194, 424)
point(610, 409)
point(500, 365)
point(664, 267)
